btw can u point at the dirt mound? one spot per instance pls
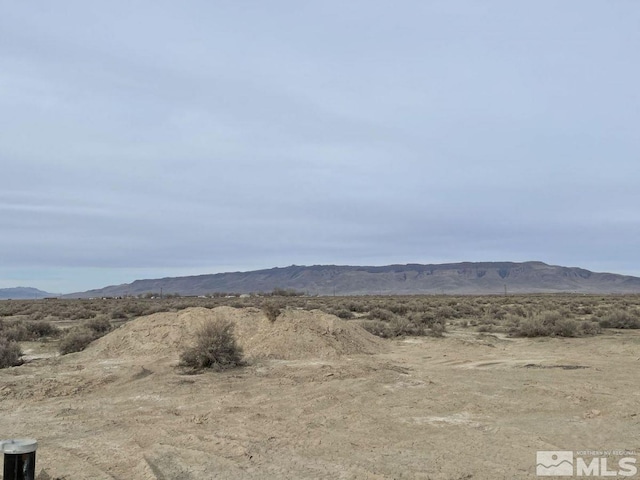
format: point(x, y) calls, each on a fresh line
point(296, 334)
point(304, 334)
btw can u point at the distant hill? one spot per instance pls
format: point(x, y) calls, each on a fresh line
point(451, 278)
point(23, 293)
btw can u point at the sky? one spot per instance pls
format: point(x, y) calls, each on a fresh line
point(154, 138)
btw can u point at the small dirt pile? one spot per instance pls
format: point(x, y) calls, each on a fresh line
point(296, 334)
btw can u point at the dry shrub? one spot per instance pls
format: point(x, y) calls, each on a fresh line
point(590, 328)
point(36, 316)
point(377, 327)
point(401, 326)
point(343, 313)
point(82, 313)
point(381, 314)
point(399, 308)
point(358, 307)
point(42, 328)
point(21, 331)
point(428, 320)
point(437, 328)
point(10, 353)
point(516, 310)
point(619, 318)
point(547, 324)
point(76, 340)
point(135, 309)
point(16, 331)
point(497, 312)
point(100, 325)
point(215, 348)
point(117, 314)
point(447, 312)
point(412, 326)
point(465, 309)
point(271, 310)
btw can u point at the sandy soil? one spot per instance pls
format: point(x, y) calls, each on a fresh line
point(468, 406)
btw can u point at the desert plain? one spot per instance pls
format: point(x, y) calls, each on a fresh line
point(320, 397)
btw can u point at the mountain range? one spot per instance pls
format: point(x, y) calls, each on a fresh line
point(450, 278)
point(23, 293)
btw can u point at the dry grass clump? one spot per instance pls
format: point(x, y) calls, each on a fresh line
point(215, 348)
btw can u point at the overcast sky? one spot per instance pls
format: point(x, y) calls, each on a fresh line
point(147, 138)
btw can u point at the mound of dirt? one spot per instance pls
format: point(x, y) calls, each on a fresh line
point(296, 334)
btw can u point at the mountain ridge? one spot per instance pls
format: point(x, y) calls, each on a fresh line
point(448, 278)
point(23, 293)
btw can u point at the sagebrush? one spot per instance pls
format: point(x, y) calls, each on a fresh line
point(10, 353)
point(215, 348)
point(78, 338)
